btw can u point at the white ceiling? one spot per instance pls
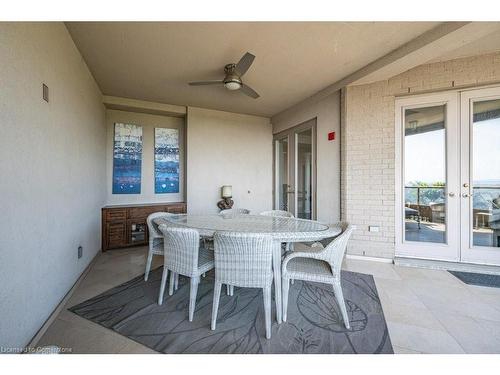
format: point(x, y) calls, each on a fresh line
point(294, 60)
point(487, 44)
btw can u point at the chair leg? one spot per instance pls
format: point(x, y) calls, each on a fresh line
point(148, 265)
point(176, 282)
point(228, 289)
point(292, 281)
point(267, 310)
point(337, 289)
point(215, 305)
point(192, 296)
point(231, 290)
point(162, 287)
point(285, 286)
point(171, 285)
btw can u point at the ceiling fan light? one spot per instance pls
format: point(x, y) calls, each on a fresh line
point(232, 85)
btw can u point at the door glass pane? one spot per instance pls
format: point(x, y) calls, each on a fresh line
point(282, 174)
point(425, 174)
point(486, 173)
point(304, 174)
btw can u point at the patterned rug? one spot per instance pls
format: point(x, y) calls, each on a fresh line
point(314, 323)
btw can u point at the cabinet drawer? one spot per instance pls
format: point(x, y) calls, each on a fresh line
point(116, 214)
point(143, 212)
point(117, 234)
point(177, 208)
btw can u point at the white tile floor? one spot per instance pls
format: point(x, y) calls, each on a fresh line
point(427, 311)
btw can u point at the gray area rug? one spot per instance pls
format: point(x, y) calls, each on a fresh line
point(314, 322)
point(480, 279)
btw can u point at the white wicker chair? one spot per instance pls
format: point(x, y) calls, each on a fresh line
point(318, 265)
point(155, 239)
point(235, 211)
point(184, 256)
point(243, 260)
point(229, 212)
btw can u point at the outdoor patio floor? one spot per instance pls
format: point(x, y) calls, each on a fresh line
point(435, 232)
point(427, 311)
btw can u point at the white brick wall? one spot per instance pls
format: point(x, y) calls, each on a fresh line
point(367, 144)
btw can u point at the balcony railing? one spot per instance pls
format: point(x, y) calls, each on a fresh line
point(429, 202)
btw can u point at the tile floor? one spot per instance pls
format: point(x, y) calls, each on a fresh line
point(427, 311)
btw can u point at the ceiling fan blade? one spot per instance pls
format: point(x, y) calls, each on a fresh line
point(247, 90)
point(244, 63)
point(203, 83)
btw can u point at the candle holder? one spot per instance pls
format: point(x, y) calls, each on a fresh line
point(225, 203)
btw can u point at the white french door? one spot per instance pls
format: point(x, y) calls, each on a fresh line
point(448, 176)
point(295, 170)
point(428, 203)
point(480, 203)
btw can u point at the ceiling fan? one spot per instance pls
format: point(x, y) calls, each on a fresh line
point(232, 81)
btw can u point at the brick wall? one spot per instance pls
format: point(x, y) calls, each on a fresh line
point(367, 143)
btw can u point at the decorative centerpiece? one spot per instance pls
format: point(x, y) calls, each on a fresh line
point(226, 202)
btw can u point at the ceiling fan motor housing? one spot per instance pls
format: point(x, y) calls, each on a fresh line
point(232, 81)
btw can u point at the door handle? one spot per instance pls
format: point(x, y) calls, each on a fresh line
point(451, 194)
point(465, 195)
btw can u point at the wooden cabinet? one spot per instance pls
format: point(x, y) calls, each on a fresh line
point(124, 226)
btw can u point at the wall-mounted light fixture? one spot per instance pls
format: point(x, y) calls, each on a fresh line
point(227, 191)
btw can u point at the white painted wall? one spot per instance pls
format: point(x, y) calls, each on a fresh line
point(149, 123)
point(327, 113)
point(52, 173)
point(228, 149)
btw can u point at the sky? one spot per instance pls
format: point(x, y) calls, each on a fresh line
point(486, 165)
point(425, 158)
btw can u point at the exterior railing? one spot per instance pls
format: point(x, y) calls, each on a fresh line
point(422, 197)
point(419, 190)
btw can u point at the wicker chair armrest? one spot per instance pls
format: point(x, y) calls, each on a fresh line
point(313, 253)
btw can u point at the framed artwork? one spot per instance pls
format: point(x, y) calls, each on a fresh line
point(166, 160)
point(127, 159)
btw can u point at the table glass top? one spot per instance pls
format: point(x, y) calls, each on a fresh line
point(246, 223)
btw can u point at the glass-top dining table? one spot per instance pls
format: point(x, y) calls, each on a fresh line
point(281, 229)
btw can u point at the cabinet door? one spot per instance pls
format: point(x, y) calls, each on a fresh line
point(117, 234)
point(116, 214)
point(137, 232)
